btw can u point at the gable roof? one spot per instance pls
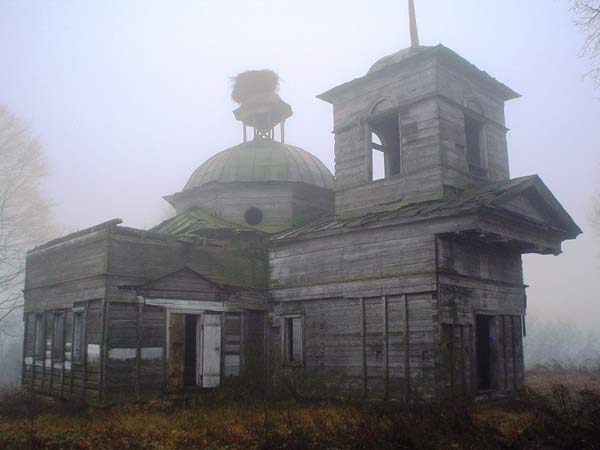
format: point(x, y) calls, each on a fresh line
point(492, 196)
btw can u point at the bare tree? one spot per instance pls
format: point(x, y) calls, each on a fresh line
point(24, 211)
point(587, 19)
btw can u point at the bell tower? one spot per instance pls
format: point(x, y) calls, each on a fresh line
point(433, 123)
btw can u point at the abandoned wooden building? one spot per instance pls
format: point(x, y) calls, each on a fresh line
point(403, 287)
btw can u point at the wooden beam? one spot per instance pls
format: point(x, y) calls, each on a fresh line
point(138, 356)
point(385, 347)
point(363, 336)
point(406, 350)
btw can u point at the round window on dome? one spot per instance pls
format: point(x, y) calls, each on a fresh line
point(253, 216)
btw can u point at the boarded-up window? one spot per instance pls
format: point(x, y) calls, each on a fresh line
point(58, 332)
point(78, 334)
point(39, 335)
point(293, 339)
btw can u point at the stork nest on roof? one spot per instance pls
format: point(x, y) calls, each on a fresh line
point(252, 82)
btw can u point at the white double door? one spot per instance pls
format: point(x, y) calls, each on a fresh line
point(208, 350)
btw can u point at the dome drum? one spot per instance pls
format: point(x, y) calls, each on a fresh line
point(269, 206)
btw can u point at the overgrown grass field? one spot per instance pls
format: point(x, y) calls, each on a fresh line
point(554, 412)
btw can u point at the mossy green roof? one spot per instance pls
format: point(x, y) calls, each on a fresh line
point(262, 160)
point(194, 220)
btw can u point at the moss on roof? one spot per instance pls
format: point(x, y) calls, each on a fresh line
point(194, 220)
point(262, 160)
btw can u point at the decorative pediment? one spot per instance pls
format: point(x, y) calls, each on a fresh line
point(183, 283)
point(533, 200)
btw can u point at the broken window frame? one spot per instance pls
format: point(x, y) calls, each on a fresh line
point(78, 345)
point(58, 336)
point(392, 168)
point(289, 356)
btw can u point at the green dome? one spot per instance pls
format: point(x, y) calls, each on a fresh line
point(262, 160)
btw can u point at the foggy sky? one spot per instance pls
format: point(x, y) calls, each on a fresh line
point(129, 97)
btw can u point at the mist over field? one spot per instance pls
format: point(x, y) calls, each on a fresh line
point(126, 99)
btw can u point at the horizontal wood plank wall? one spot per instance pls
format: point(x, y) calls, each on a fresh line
point(347, 348)
point(151, 351)
point(354, 257)
point(136, 336)
point(121, 371)
point(93, 339)
point(60, 276)
point(481, 279)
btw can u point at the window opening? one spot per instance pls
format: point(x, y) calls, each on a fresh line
point(485, 346)
point(190, 349)
point(385, 147)
point(58, 337)
point(78, 335)
point(253, 216)
point(377, 159)
point(39, 335)
point(293, 339)
point(473, 130)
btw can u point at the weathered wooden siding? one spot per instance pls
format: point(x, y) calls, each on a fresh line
point(58, 373)
point(377, 347)
point(135, 352)
point(66, 273)
point(137, 257)
point(420, 161)
point(477, 278)
point(360, 256)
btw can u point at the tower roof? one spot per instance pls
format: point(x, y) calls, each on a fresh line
point(411, 54)
point(262, 160)
point(396, 57)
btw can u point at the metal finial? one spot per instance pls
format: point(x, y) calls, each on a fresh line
point(414, 34)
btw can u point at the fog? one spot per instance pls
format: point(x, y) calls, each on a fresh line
point(128, 98)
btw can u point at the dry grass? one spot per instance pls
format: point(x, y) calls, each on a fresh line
point(556, 417)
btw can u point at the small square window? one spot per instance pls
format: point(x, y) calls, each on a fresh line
point(293, 337)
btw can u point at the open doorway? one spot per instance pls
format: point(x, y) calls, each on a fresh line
point(190, 350)
point(485, 340)
point(200, 341)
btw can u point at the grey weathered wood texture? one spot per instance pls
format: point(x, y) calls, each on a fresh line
point(396, 290)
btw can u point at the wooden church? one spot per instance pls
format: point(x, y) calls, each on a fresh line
point(405, 287)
